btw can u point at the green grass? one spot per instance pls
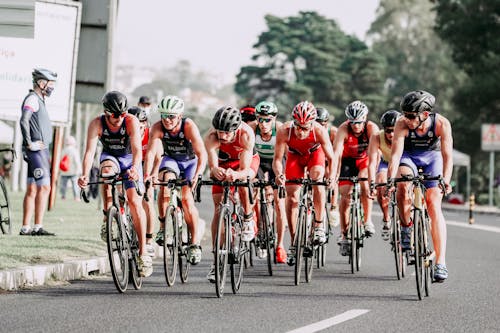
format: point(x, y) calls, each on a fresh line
point(77, 227)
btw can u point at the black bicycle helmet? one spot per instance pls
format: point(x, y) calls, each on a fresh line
point(248, 113)
point(140, 113)
point(43, 74)
point(417, 101)
point(227, 119)
point(389, 118)
point(115, 102)
point(322, 115)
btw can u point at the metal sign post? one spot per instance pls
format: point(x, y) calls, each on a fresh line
point(490, 141)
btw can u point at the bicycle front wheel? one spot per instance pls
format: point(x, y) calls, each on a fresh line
point(396, 243)
point(117, 249)
point(354, 238)
point(183, 263)
point(418, 245)
point(299, 242)
point(222, 243)
point(134, 275)
point(267, 237)
point(5, 223)
point(237, 254)
point(171, 245)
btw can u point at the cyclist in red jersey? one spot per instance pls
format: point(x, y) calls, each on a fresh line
point(231, 152)
point(308, 146)
point(148, 206)
point(351, 146)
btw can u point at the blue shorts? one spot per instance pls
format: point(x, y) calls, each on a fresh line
point(38, 167)
point(382, 166)
point(181, 169)
point(124, 163)
point(431, 163)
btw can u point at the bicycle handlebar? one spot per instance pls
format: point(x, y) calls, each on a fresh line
point(224, 183)
point(110, 180)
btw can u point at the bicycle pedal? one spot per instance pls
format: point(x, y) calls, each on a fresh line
point(308, 252)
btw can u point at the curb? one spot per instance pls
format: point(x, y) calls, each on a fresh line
point(33, 276)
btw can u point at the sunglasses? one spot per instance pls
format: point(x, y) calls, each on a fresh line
point(410, 116)
point(264, 120)
point(388, 130)
point(356, 122)
point(168, 116)
point(114, 115)
point(301, 128)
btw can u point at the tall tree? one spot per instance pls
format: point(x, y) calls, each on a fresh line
point(309, 57)
point(403, 32)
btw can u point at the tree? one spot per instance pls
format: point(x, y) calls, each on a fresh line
point(309, 57)
point(403, 32)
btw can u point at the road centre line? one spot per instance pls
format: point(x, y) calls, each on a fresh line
point(321, 325)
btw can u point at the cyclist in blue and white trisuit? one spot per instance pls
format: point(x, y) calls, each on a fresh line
point(37, 136)
point(184, 157)
point(120, 136)
point(265, 129)
point(423, 139)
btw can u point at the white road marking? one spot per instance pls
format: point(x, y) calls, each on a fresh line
point(473, 226)
point(321, 325)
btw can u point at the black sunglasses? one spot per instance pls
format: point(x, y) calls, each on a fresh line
point(388, 130)
point(264, 120)
point(114, 115)
point(168, 116)
point(410, 116)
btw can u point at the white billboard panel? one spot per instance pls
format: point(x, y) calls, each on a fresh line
point(56, 30)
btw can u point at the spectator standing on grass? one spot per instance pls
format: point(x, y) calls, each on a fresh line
point(73, 168)
point(37, 136)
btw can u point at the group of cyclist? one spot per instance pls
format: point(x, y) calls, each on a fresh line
point(251, 143)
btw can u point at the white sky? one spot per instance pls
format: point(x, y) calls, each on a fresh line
point(217, 35)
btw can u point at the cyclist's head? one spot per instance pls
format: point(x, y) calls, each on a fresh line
point(48, 79)
point(227, 119)
point(170, 105)
point(416, 102)
point(140, 113)
point(248, 113)
point(304, 113)
point(356, 112)
point(322, 116)
point(266, 108)
point(389, 118)
point(115, 104)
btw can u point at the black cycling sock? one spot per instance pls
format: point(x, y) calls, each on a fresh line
point(149, 236)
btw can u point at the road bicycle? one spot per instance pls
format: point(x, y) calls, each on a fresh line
point(122, 241)
point(303, 242)
point(266, 237)
point(229, 248)
point(355, 231)
point(321, 256)
point(177, 236)
point(5, 222)
point(422, 249)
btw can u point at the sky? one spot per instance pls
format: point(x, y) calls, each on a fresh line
point(217, 35)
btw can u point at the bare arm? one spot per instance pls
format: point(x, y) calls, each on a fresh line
point(373, 156)
point(338, 147)
point(248, 143)
point(154, 139)
point(212, 145)
point(135, 140)
point(88, 157)
point(445, 133)
point(279, 153)
point(193, 134)
point(324, 140)
point(398, 143)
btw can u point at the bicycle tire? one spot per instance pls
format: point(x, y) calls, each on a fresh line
point(184, 265)
point(418, 252)
point(238, 250)
point(428, 251)
point(171, 251)
point(354, 238)
point(308, 244)
point(267, 239)
point(117, 247)
point(222, 243)
point(134, 275)
point(5, 222)
point(396, 243)
point(298, 243)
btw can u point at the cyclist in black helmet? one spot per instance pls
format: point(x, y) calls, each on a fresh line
point(379, 154)
point(36, 129)
point(120, 136)
point(230, 146)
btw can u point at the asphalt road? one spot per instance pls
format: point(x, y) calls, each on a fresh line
point(370, 300)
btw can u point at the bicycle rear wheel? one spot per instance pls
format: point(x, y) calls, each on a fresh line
point(222, 243)
point(171, 245)
point(5, 223)
point(183, 263)
point(418, 245)
point(299, 243)
point(237, 256)
point(267, 237)
point(396, 243)
point(134, 275)
point(117, 246)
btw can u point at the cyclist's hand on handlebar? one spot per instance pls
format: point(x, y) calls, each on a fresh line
point(219, 173)
point(389, 188)
point(372, 192)
point(82, 181)
point(231, 175)
point(132, 173)
point(331, 182)
point(280, 180)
